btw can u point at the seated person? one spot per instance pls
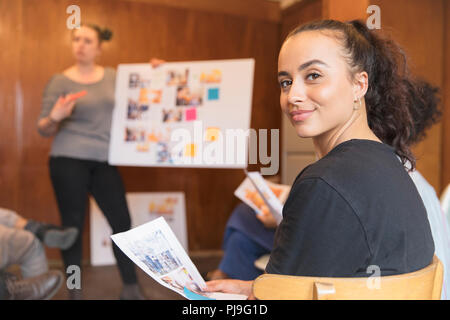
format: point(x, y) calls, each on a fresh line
point(41, 287)
point(247, 237)
point(342, 85)
point(21, 243)
point(240, 235)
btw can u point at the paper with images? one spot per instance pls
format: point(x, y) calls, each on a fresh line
point(143, 207)
point(261, 194)
point(156, 250)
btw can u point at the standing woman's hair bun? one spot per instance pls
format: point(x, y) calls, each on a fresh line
point(105, 34)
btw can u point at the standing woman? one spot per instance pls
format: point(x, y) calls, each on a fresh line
point(350, 91)
point(77, 109)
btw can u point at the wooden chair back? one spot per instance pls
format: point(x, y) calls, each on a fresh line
point(424, 284)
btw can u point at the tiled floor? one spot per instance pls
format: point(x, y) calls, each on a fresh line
point(103, 283)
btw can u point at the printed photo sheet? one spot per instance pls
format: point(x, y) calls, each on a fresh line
point(156, 250)
point(261, 194)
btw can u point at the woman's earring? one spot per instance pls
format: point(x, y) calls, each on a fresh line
point(356, 106)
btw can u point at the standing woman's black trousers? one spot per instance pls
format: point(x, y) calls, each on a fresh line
point(73, 179)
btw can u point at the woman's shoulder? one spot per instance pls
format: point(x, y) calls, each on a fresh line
point(110, 71)
point(353, 157)
point(57, 78)
point(56, 82)
point(357, 166)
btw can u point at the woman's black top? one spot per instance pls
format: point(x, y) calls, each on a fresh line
point(354, 208)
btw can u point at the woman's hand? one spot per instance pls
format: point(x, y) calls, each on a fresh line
point(63, 107)
point(155, 62)
point(267, 218)
point(230, 286)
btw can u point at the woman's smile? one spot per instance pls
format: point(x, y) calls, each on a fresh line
point(301, 115)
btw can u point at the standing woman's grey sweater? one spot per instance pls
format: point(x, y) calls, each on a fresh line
point(85, 133)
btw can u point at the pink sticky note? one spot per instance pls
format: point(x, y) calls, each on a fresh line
point(191, 114)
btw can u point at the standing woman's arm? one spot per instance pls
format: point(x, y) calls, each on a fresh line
point(55, 108)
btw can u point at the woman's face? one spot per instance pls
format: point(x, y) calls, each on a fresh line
point(85, 44)
point(317, 93)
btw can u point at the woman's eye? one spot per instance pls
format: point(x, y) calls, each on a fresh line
point(285, 83)
point(312, 76)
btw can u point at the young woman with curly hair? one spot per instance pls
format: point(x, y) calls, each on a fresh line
point(350, 91)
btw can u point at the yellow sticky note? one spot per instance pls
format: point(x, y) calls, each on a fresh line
point(212, 134)
point(190, 150)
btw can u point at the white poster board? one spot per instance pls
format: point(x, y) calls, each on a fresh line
point(182, 114)
point(143, 207)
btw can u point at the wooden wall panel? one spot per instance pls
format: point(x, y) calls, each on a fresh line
point(10, 109)
point(302, 12)
point(256, 9)
point(418, 27)
point(344, 10)
point(141, 30)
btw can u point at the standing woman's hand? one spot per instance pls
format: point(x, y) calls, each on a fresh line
point(155, 62)
point(63, 107)
point(61, 110)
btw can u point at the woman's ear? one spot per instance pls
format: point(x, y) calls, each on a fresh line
point(361, 84)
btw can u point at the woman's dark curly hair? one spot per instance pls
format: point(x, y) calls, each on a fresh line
point(399, 107)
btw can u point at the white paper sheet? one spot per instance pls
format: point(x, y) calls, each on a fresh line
point(156, 250)
point(143, 207)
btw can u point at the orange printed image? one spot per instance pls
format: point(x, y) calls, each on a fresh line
point(215, 76)
point(276, 191)
point(166, 206)
point(154, 137)
point(155, 96)
point(143, 96)
point(212, 134)
point(142, 147)
point(256, 199)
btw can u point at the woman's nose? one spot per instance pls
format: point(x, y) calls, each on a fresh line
point(296, 93)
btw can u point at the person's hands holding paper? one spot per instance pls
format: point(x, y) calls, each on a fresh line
point(155, 62)
point(231, 286)
point(266, 217)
